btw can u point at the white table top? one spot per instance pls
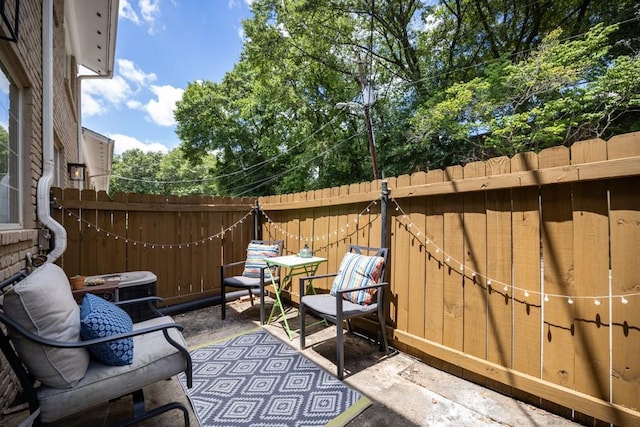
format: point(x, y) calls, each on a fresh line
point(293, 261)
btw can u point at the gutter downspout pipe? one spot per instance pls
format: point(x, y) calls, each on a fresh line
point(44, 183)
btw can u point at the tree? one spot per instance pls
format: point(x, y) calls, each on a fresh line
point(155, 173)
point(446, 79)
point(561, 93)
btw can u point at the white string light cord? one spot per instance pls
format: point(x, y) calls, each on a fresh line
point(152, 245)
point(458, 265)
point(310, 239)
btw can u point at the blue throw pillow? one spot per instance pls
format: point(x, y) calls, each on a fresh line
point(99, 318)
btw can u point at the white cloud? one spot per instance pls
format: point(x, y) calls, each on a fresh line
point(129, 71)
point(97, 93)
point(147, 14)
point(126, 12)
point(160, 110)
point(123, 143)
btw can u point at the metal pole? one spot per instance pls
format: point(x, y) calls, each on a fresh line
point(366, 98)
point(384, 198)
point(257, 230)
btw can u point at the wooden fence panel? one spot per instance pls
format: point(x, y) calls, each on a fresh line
point(474, 262)
point(435, 270)
point(499, 267)
point(557, 255)
point(453, 246)
point(417, 308)
point(525, 223)
point(401, 285)
point(591, 275)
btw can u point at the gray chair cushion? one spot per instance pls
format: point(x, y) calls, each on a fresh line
point(154, 359)
point(246, 282)
point(43, 304)
point(326, 304)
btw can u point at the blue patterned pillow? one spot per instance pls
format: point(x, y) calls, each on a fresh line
point(356, 271)
point(256, 253)
point(99, 318)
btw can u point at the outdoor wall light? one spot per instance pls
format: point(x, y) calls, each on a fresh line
point(76, 171)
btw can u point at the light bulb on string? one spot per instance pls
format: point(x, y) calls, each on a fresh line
point(546, 298)
point(597, 302)
point(623, 300)
point(570, 300)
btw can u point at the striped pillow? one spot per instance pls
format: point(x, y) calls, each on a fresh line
point(256, 253)
point(356, 271)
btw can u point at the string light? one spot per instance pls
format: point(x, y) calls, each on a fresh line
point(597, 299)
point(153, 245)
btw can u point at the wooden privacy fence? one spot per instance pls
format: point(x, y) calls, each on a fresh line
point(521, 274)
point(182, 240)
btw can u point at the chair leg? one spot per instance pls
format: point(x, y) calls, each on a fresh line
point(384, 346)
point(140, 414)
point(302, 331)
point(251, 297)
point(223, 304)
point(340, 351)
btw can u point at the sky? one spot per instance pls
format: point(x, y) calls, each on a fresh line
point(161, 47)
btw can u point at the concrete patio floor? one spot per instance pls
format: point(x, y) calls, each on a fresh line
point(404, 391)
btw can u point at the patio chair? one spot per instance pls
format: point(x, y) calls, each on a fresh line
point(69, 358)
point(357, 290)
point(253, 275)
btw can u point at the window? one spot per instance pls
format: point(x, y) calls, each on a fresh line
point(10, 170)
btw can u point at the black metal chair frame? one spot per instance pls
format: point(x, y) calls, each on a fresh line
point(258, 285)
point(30, 385)
point(341, 315)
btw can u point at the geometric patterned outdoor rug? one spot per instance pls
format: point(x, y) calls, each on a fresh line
point(255, 379)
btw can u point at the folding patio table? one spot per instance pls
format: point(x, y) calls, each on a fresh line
point(290, 265)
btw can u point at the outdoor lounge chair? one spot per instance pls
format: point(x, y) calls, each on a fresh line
point(357, 290)
point(62, 370)
point(253, 276)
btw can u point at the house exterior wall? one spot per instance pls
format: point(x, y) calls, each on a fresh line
point(23, 62)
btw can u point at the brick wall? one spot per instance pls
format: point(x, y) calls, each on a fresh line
point(23, 61)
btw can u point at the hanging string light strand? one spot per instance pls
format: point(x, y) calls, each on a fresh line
point(152, 245)
point(456, 264)
point(307, 239)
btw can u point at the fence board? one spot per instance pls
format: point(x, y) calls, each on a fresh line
point(591, 274)
point(474, 232)
point(417, 260)
point(434, 322)
point(499, 267)
point(401, 288)
point(557, 254)
point(527, 320)
point(453, 246)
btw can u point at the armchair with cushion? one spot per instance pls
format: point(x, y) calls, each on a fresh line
point(70, 358)
point(253, 275)
point(357, 290)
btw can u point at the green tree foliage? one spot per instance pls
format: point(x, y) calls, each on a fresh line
point(156, 173)
point(455, 80)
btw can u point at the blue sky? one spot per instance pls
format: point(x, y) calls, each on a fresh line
point(161, 47)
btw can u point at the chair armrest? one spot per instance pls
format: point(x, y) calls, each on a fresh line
point(319, 276)
point(232, 264)
point(11, 324)
point(360, 288)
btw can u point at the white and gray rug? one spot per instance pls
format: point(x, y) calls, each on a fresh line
point(257, 380)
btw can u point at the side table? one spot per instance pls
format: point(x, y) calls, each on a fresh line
point(108, 291)
point(293, 265)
